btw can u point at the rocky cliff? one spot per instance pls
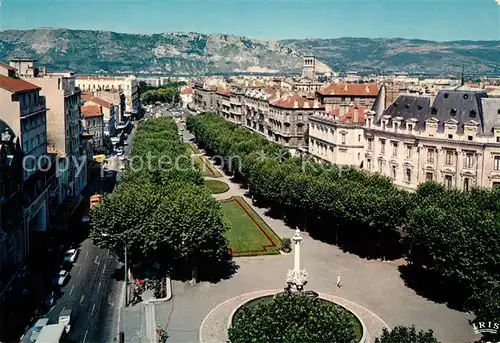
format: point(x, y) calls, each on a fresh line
point(194, 53)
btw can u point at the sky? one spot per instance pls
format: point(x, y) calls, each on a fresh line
point(266, 19)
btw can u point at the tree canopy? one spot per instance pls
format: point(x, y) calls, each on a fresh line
point(292, 319)
point(166, 95)
point(161, 208)
point(402, 334)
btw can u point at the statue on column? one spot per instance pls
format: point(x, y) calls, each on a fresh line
point(296, 278)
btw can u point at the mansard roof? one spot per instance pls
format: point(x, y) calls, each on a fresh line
point(461, 105)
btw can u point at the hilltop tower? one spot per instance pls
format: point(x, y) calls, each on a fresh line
point(309, 67)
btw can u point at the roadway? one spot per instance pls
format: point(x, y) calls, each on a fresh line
point(92, 293)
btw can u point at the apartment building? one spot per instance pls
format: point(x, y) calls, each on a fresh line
point(108, 109)
point(288, 121)
point(257, 109)
point(128, 85)
point(204, 96)
point(222, 104)
point(64, 127)
point(453, 139)
point(24, 121)
point(116, 97)
point(337, 137)
point(341, 96)
point(187, 94)
point(94, 124)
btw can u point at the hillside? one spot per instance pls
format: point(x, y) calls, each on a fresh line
point(175, 53)
point(408, 55)
point(194, 53)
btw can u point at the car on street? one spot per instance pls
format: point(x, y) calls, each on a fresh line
point(63, 274)
point(70, 255)
point(37, 328)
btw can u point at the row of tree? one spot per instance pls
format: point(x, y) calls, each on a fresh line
point(162, 211)
point(450, 238)
point(170, 95)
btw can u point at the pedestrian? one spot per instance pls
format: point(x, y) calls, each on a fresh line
point(338, 281)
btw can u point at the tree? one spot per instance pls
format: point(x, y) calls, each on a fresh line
point(292, 319)
point(402, 334)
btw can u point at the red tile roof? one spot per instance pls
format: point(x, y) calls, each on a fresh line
point(296, 102)
point(187, 90)
point(96, 100)
point(91, 111)
point(350, 89)
point(222, 91)
point(7, 66)
point(349, 116)
point(16, 85)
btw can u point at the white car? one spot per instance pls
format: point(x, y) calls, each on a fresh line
point(119, 152)
point(63, 274)
point(70, 255)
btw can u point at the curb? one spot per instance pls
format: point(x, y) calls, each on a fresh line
point(168, 291)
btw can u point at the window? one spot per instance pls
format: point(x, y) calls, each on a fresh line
point(408, 175)
point(450, 136)
point(359, 138)
point(496, 163)
point(448, 181)
point(496, 184)
point(429, 176)
point(370, 143)
point(472, 114)
point(449, 157)
point(383, 125)
point(466, 96)
point(393, 172)
point(343, 138)
point(469, 138)
point(369, 164)
point(469, 160)
point(394, 149)
point(382, 146)
point(408, 151)
point(380, 166)
point(434, 110)
point(453, 111)
point(466, 184)
point(410, 127)
point(430, 155)
point(446, 95)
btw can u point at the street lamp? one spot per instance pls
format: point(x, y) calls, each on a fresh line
point(126, 264)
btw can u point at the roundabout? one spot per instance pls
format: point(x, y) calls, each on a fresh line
point(214, 327)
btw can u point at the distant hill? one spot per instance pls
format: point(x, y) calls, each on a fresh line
point(179, 53)
point(407, 55)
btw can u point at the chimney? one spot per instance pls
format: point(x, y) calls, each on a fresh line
point(295, 104)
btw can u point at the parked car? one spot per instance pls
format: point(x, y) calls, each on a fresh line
point(63, 274)
point(37, 328)
point(70, 255)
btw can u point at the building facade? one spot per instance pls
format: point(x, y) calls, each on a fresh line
point(453, 139)
point(94, 124)
point(128, 85)
point(108, 109)
point(64, 128)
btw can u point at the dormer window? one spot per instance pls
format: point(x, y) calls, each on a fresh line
point(395, 104)
point(472, 114)
point(453, 111)
point(434, 110)
point(410, 127)
point(466, 96)
point(420, 107)
point(446, 95)
point(407, 106)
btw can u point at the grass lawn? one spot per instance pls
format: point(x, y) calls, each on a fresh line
point(206, 166)
point(216, 187)
point(248, 235)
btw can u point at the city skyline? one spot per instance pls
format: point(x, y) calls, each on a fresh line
point(275, 20)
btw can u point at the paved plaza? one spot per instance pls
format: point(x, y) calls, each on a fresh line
point(371, 284)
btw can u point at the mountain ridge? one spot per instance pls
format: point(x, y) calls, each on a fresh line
point(177, 53)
